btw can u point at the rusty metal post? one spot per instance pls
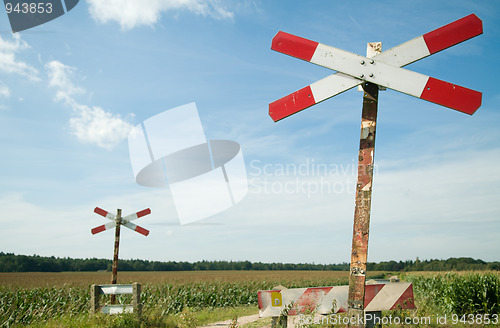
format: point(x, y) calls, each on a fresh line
point(361, 226)
point(114, 275)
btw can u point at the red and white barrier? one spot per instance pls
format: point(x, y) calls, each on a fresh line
point(326, 300)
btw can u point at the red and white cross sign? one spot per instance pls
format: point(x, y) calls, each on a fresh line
point(124, 221)
point(384, 69)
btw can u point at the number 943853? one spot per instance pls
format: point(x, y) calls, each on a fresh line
point(29, 8)
point(477, 319)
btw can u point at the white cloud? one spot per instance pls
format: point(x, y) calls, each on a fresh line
point(30, 220)
point(4, 90)
point(59, 77)
point(441, 210)
point(60, 237)
point(132, 13)
point(10, 64)
point(96, 126)
point(91, 125)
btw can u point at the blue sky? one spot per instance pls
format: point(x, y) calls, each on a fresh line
point(71, 89)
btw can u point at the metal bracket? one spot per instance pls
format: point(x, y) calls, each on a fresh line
point(372, 49)
point(356, 271)
point(354, 304)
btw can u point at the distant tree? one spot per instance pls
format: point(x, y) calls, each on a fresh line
point(10, 262)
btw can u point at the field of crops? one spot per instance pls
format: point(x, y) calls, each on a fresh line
point(85, 279)
point(41, 299)
point(26, 298)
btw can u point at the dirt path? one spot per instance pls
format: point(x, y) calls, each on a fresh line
point(227, 323)
point(292, 322)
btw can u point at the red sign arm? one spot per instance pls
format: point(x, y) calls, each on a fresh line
point(453, 33)
point(104, 213)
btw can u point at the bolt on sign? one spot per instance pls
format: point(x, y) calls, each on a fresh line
point(373, 72)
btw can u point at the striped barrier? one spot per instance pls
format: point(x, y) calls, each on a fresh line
point(327, 300)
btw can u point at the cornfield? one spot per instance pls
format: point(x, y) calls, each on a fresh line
point(459, 294)
point(25, 305)
point(166, 294)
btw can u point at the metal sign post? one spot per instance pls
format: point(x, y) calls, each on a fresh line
point(114, 270)
point(361, 228)
point(382, 70)
point(117, 221)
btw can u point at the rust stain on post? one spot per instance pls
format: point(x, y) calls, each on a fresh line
point(114, 275)
point(363, 204)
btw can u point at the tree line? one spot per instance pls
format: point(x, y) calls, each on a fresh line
point(10, 262)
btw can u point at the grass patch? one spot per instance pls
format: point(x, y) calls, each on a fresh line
point(188, 318)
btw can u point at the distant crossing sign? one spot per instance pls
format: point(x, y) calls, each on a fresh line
point(384, 70)
point(117, 221)
point(124, 221)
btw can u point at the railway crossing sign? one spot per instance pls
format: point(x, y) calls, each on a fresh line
point(384, 70)
point(123, 221)
point(117, 221)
